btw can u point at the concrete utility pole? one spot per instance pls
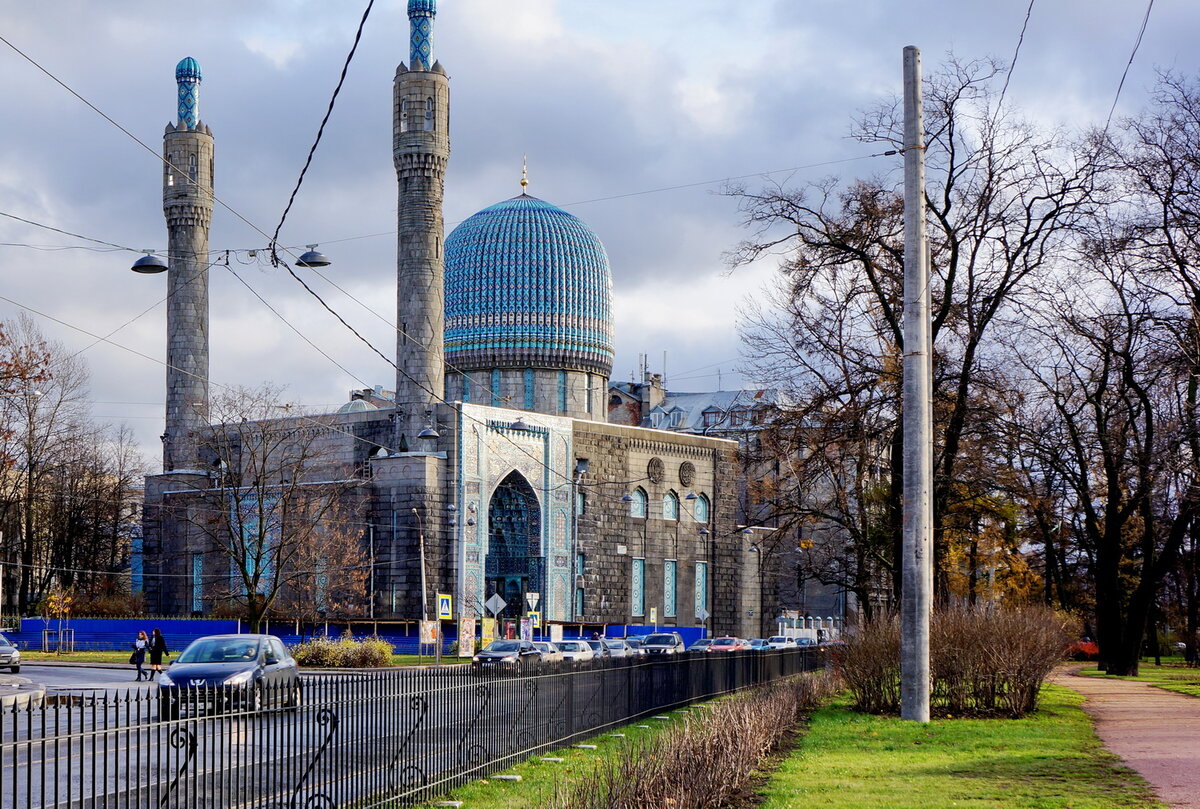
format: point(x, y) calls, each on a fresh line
point(916, 597)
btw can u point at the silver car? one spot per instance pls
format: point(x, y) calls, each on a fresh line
point(617, 647)
point(9, 655)
point(550, 652)
point(576, 650)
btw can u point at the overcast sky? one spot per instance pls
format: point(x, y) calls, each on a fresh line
point(609, 98)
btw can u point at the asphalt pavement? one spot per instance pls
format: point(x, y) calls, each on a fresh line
point(57, 677)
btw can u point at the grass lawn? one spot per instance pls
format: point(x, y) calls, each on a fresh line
point(28, 656)
point(1172, 676)
point(1049, 760)
point(538, 777)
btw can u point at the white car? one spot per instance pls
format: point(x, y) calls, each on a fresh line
point(550, 652)
point(781, 642)
point(575, 650)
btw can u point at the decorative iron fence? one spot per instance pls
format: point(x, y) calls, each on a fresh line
point(377, 738)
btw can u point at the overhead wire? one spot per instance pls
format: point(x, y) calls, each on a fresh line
point(1125, 73)
point(273, 240)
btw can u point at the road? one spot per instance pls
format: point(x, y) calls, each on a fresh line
point(354, 739)
point(354, 736)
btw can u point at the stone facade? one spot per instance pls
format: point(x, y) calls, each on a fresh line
point(187, 205)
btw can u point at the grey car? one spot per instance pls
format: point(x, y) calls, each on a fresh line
point(229, 672)
point(664, 643)
point(9, 655)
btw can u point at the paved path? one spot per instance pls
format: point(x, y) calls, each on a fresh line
point(1155, 732)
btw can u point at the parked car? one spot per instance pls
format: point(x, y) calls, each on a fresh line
point(220, 673)
point(758, 645)
point(9, 655)
point(664, 643)
point(727, 644)
point(576, 650)
point(700, 645)
point(806, 641)
point(598, 648)
point(635, 645)
point(617, 647)
point(550, 652)
point(506, 655)
point(781, 642)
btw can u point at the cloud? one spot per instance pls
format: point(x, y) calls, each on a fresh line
point(607, 99)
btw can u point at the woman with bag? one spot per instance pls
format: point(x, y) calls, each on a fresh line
point(139, 655)
point(158, 648)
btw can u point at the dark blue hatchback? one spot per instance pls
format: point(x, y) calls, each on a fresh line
point(229, 672)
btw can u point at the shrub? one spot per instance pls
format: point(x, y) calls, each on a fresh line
point(1084, 650)
point(869, 664)
point(346, 652)
point(705, 762)
point(983, 662)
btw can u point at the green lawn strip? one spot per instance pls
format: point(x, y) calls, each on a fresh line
point(1171, 677)
point(1051, 759)
point(538, 777)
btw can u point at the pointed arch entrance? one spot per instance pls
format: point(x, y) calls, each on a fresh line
point(514, 564)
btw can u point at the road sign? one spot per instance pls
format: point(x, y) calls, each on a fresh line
point(536, 617)
point(654, 616)
point(702, 614)
point(532, 600)
point(495, 604)
point(445, 607)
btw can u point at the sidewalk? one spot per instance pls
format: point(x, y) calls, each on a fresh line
point(1155, 732)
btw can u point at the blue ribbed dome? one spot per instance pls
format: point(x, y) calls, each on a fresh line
point(188, 69)
point(528, 286)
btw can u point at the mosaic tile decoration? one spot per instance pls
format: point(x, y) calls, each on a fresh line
point(187, 76)
point(528, 285)
point(420, 19)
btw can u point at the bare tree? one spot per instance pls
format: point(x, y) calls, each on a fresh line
point(285, 519)
point(45, 413)
point(1003, 199)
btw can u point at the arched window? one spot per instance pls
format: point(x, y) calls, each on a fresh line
point(700, 509)
point(404, 116)
point(193, 167)
point(637, 508)
point(671, 506)
point(429, 115)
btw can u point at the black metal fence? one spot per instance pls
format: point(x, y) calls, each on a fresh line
point(377, 738)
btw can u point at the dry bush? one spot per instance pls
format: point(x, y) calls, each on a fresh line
point(983, 662)
point(346, 652)
point(706, 761)
point(869, 664)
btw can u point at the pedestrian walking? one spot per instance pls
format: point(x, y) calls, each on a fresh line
point(139, 655)
point(158, 648)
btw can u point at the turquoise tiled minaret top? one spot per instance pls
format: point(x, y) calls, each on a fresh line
point(528, 285)
point(420, 22)
point(187, 76)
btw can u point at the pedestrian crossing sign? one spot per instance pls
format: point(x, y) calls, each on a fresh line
point(445, 607)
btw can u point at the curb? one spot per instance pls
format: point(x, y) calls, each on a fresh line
point(20, 691)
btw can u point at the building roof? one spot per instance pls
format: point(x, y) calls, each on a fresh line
point(528, 285)
point(727, 410)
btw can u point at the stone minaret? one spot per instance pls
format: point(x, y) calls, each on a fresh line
point(420, 150)
point(187, 205)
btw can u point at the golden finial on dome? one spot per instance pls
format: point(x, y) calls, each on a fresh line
point(524, 172)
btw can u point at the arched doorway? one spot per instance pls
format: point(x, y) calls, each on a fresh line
point(514, 564)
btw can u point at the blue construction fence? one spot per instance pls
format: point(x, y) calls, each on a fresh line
point(108, 634)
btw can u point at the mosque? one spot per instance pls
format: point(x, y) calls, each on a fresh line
point(493, 462)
